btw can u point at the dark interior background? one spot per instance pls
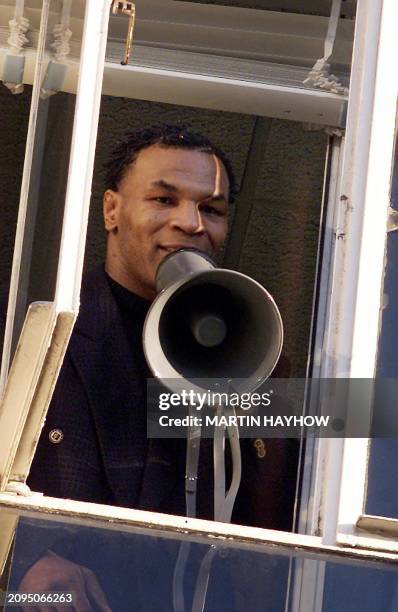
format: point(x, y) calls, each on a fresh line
point(309, 7)
point(279, 167)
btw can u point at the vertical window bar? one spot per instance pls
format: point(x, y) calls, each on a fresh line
point(351, 339)
point(82, 155)
point(377, 178)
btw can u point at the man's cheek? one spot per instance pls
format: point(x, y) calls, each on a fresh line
point(220, 241)
point(155, 262)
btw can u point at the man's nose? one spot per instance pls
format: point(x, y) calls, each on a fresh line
point(187, 217)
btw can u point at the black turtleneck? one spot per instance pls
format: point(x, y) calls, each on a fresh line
point(133, 310)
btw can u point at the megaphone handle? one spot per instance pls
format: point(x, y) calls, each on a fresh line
point(191, 470)
point(229, 501)
point(191, 479)
point(219, 466)
point(224, 506)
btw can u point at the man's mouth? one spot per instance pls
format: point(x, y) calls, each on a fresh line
point(170, 248)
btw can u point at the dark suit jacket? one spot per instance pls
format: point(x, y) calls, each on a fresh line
point(103, 457)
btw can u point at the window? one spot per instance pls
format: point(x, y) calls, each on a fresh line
point(321, 194)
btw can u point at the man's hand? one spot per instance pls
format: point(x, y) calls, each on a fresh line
point(53, 573)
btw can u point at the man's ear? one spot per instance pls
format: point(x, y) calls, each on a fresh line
point(111, 204)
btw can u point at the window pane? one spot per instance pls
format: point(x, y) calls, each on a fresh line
point(45, 154)
point(273, 237)
point(359, 586)
point(14, 118)
point(40, 219)
point(383, 460)
point(135, 569)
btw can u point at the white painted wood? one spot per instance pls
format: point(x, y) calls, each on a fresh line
point(366, 315)
point(378, 524)
point(8, 523)
point(115, 518)
point(350, 210)
point(352, 330)
point(42, 396)
point(39, 352)
point(308, 576)
point(203, 89)
point(21, 302)
point(22, 380)
point(82, 156)
point(206, 91)
point(312, 488)
point(20, 394)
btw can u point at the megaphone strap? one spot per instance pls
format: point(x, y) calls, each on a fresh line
point(223, 504)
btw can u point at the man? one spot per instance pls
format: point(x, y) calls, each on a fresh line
point(166, 188)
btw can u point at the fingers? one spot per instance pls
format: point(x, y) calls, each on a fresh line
point(81, 603)
point(54, 573)
point(36, 609)
point(94, 591)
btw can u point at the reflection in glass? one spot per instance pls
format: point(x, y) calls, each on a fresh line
point(134, 570)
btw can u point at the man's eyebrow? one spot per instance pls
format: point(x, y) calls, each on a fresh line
point(218, 197)
point(164, 185)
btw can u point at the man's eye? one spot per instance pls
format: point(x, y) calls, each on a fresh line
point(163, 199)
point(210, 210)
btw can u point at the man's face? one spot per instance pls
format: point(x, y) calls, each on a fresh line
point(170, 198)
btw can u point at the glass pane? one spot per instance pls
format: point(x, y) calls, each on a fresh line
point(94, 438)
point(45, 153)
point(14, 119)
point(268, 222)
point(359, 586)
point(40, 219)
point(135, 569)
point(383, 460)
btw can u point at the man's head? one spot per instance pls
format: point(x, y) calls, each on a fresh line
point(166, 188)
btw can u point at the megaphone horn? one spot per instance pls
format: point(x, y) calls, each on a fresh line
point(210, 323)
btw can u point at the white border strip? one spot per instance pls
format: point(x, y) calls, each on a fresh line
point(350, 210)
point(350, 350)
point(215, 92)
point(82, 155)
point(366, 319)
point(116, 518)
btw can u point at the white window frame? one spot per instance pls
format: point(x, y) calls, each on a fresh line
point(349, 347)
point(45, 334)
point(111, 517)
point(360, 230)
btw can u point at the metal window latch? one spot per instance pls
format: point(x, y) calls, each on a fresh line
point(126, 8)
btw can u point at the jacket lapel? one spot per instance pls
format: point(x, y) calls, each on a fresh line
point(116, 394)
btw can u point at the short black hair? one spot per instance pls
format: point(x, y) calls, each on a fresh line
point(179, 137)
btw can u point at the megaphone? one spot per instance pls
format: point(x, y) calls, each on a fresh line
point(210, 323)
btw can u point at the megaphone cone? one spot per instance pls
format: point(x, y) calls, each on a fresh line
point(211, 323)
